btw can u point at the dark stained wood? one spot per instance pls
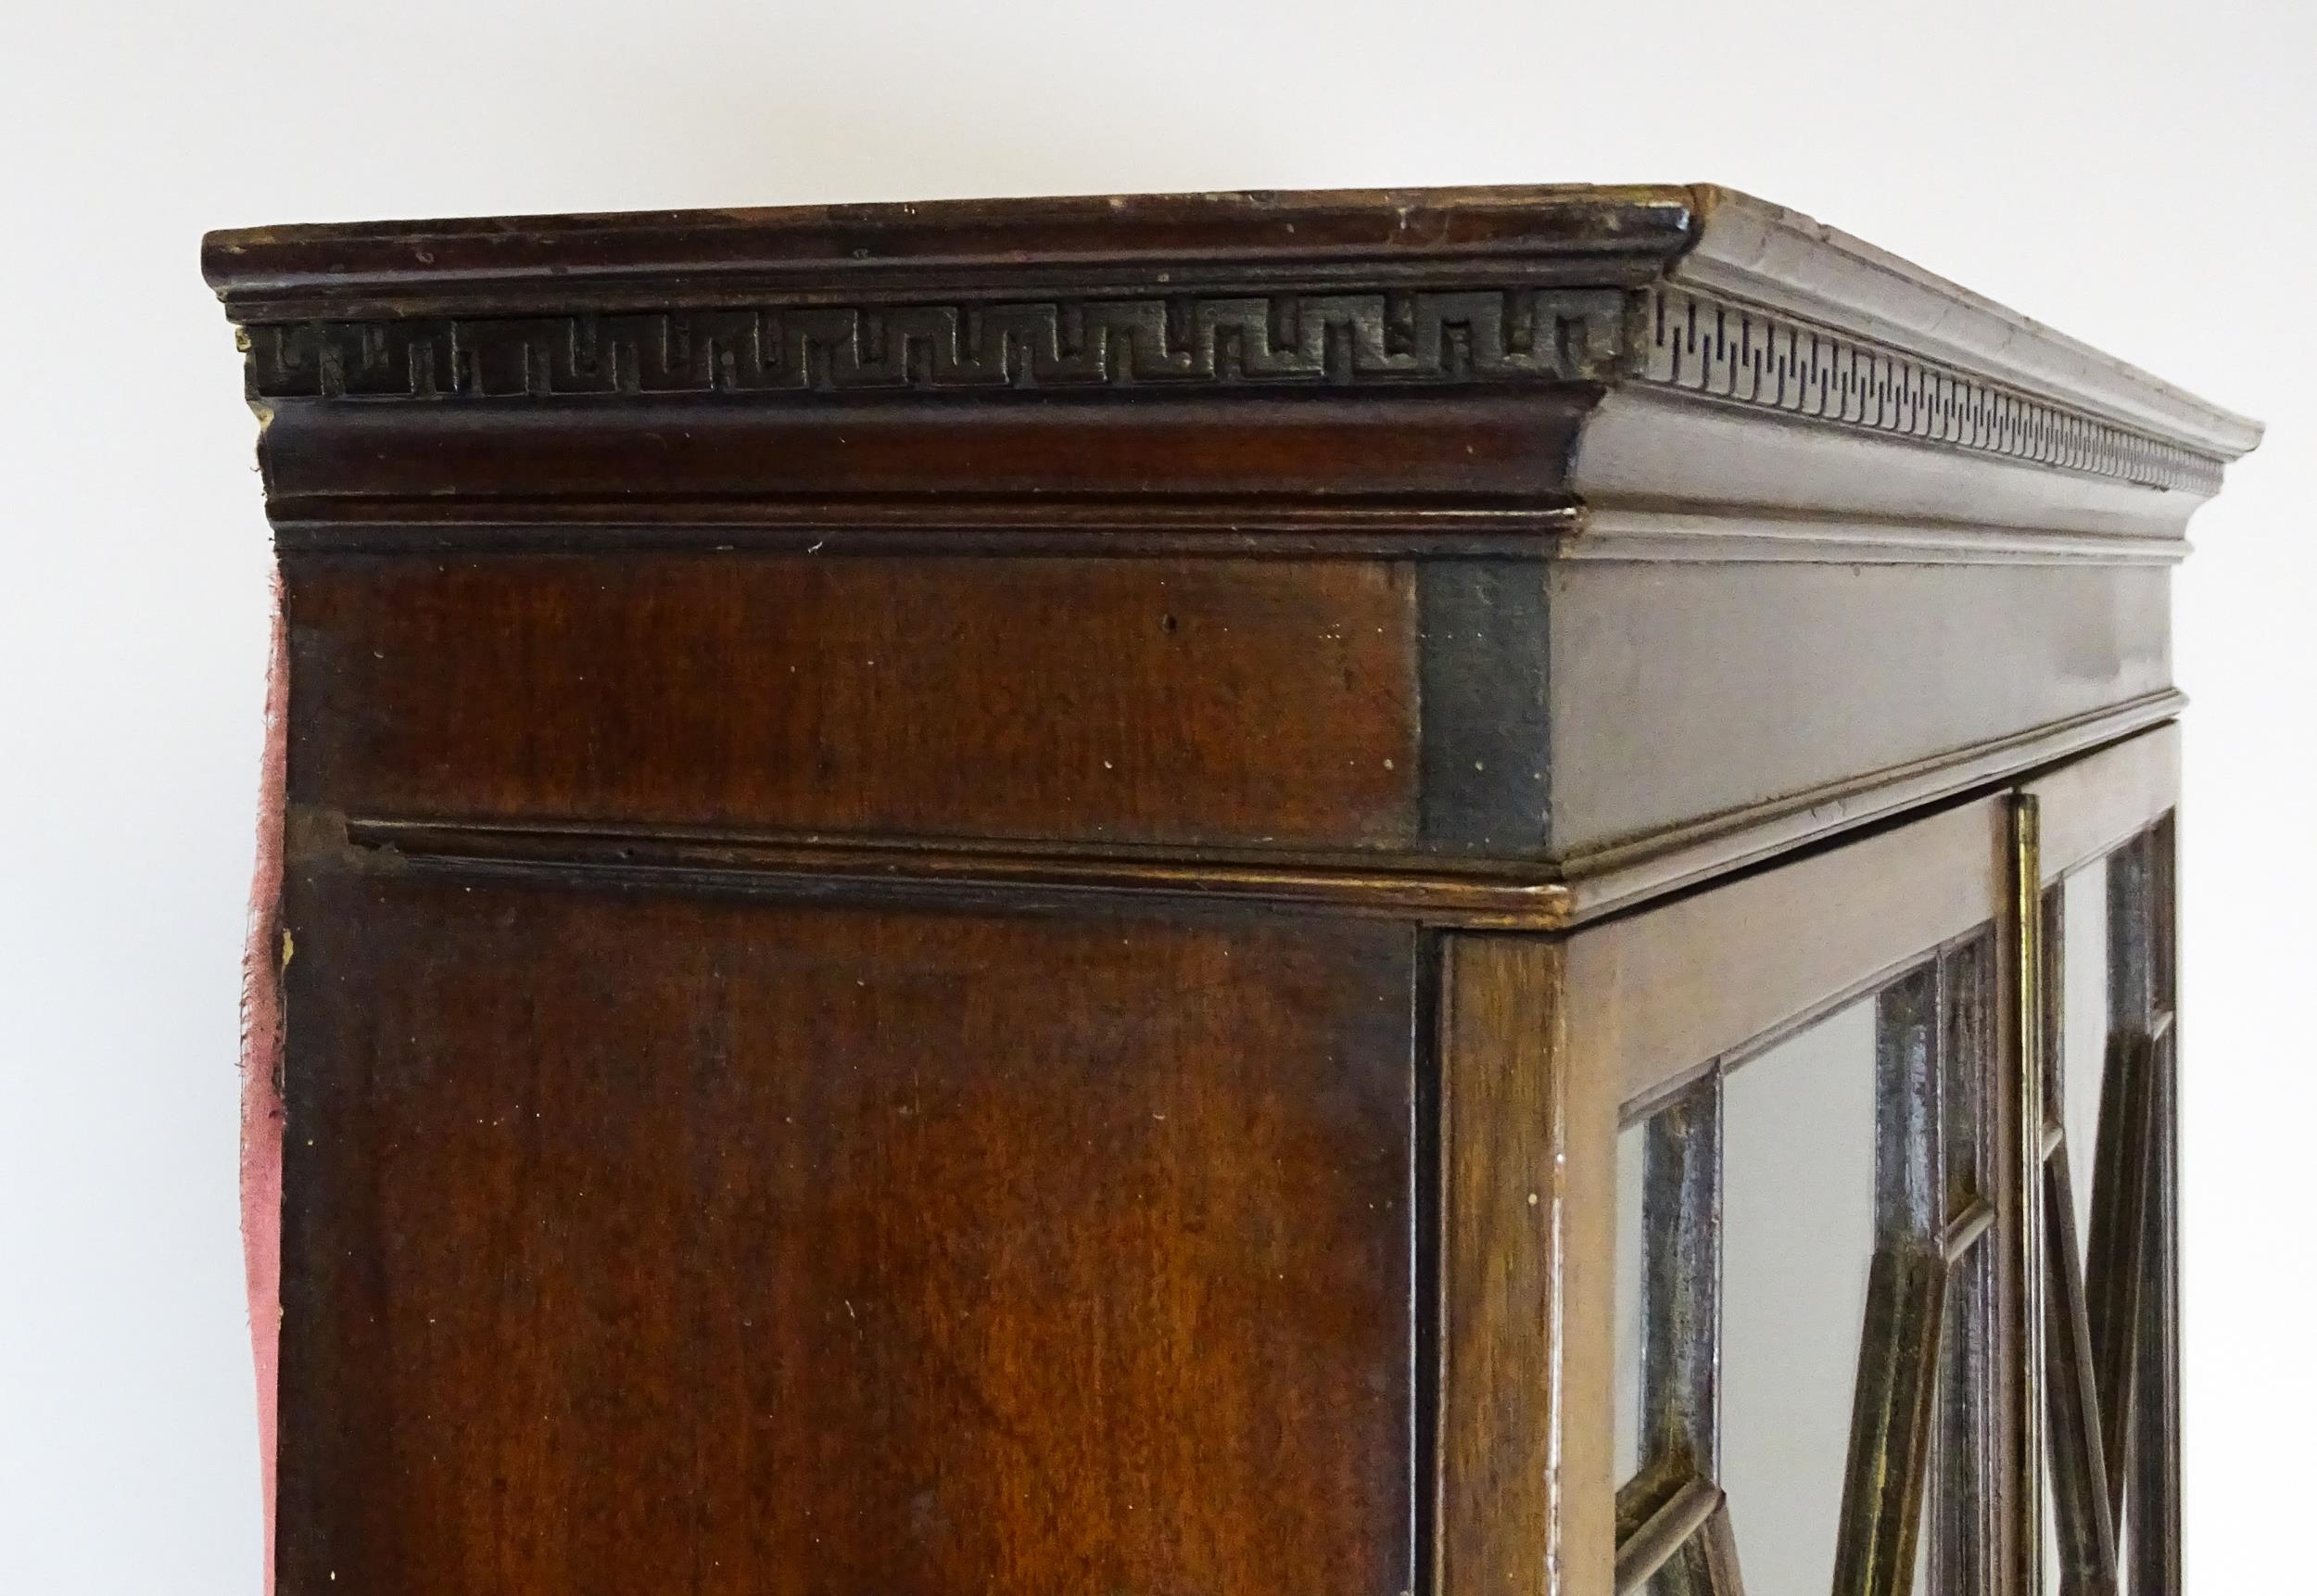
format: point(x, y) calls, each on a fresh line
point(1796, 676)
point(638, 1239)
point(1963, 1525)
point(710, 451)
point(2153, 1497)
point(1616, 233)
point(2116, 1249)
point(1527, 1188)
point(1042, 698)
point(967, 524)
point(1691, 428)
point(2083, 1505)
point(1655, 997)
point(1892, 1427)
point(985, 875)
point(974, 887)
point(1488, 782)
point(1681, 1283)
point(1719, 1559)
point(2095, 803)
point(1660, 1536)
point(2159, 1446)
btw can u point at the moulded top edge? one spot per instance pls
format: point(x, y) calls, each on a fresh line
point(1748, 249)
point(1649, 222)
point(1700, 237)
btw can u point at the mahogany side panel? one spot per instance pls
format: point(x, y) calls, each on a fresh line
point(1078, 699)
point(639, 1239)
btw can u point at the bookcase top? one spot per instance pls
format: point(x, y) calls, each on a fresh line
point(1201, 253)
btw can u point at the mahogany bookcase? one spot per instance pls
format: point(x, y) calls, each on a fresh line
point(1453, 893)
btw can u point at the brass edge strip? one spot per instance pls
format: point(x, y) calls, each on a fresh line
point(2026, 1394)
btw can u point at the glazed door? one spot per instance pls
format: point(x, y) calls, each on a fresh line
point(1868, 1334)
point(2106, 1085)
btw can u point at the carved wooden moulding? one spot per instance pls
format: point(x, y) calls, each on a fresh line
point(977, 890)
point(1508, 465)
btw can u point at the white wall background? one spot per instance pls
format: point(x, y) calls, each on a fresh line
point(2134, 172)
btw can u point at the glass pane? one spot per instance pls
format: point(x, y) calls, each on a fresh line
point(2082, 1022)
point(1799, 1134)
point(1631, 1142)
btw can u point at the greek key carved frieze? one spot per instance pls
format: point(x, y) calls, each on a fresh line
point(1679, 339)
point(1751, 356)
point(1488, 335)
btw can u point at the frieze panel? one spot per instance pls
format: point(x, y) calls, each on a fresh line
point(1479, 336)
